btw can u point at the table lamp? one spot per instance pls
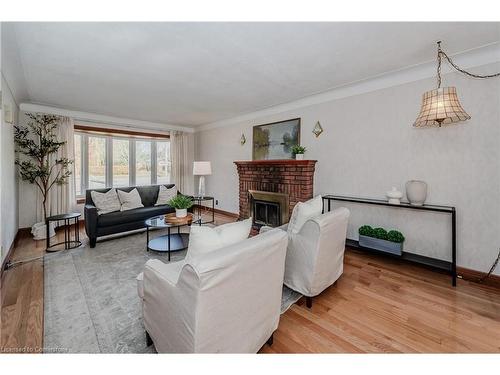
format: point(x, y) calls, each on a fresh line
point(202, 169)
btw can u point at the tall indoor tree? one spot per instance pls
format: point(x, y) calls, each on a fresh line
point(41, 166)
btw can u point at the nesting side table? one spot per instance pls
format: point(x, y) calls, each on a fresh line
point(69, 242)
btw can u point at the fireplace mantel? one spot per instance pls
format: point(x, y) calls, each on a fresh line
point(295, 178)
point(280, 162)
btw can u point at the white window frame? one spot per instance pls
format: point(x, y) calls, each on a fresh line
point(84, 138)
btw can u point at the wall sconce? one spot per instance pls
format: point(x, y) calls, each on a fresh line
point(317, 129)
point(7, 113)
point(243, 140)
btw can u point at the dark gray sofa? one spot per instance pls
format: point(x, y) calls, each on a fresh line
point(122, 221)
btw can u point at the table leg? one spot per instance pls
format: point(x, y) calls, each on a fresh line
point(168, 243)
point(66, 234)
point(199, 212)
point(213, 210)
point(47, 241)
point(147, 238)
point(329, 205)
point(76, 229)
point(454, 248)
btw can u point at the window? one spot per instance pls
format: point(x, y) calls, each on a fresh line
point(114, 160)
point(121, 161)
point(163, 162)
point(78, 164)
point(97, 162)
point(142, 163)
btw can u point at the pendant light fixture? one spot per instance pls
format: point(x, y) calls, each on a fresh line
point(441, 106)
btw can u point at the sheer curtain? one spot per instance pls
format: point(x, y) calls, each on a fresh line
point(62, 198)
point(179, 159)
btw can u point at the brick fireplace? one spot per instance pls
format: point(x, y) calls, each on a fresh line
point(291, 178)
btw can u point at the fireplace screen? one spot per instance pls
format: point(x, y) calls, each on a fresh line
point(266, 213)
point(268, 208)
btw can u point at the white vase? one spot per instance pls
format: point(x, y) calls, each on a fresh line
point(299, 156)
point(416, 192)
point(181, 212)
point(394, 196)
point(39, 230)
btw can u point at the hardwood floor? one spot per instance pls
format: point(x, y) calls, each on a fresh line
point(379, 305)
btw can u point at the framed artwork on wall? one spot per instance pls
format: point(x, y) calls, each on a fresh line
point(275, 140)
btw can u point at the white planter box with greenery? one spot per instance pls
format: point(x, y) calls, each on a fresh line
point(379, 239)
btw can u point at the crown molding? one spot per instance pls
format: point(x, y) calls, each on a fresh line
point(468, 59)
point(94, 118)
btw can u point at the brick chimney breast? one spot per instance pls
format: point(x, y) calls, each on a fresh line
point(292, 177)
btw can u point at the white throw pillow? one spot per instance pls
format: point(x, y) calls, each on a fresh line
point(165, 194)
point(130, 200)
point(203, 239)
point(304, 211)
point(106, 202)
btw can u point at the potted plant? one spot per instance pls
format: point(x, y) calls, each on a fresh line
point(181, 203)
point(379, 239)
point(299, 152)
point(41, 165)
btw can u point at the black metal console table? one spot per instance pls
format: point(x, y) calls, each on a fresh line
point(450, 267)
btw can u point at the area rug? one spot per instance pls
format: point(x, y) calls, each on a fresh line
point(91, 303)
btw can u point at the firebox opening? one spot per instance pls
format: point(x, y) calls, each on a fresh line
point(268, 208)
point(266, 213)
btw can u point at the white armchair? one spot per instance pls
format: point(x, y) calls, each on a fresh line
point(225, 301)
point(315, 255)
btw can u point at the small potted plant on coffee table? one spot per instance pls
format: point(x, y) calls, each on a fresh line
point(299, 152)
point(181, 203)
point(380, 239)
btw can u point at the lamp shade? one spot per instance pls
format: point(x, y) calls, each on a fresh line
point(440, 106)
point(202, 168)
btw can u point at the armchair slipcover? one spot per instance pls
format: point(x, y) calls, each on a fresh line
point(315, 255)
point(225, 301)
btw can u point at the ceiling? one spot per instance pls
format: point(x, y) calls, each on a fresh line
point(197, 73)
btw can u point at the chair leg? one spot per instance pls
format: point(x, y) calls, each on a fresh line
point(309, 302)
point(149, 341)
point(270, 340)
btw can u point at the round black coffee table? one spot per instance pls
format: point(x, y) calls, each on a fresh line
point(170, 241)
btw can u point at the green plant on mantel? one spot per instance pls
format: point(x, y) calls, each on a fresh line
point(181, 202)
point(381, 233)
point(298, 149)
point(38, 143)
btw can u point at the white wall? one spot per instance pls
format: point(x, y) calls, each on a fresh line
point(369, 145)
point(8, 172)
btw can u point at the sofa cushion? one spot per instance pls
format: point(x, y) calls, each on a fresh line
point(129, 201)
point(203, 239)
point(106, 202)
point(304, 211)
point(165, 194)
point(137, 214)
point(149, 194)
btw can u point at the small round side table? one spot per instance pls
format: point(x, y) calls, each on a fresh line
point(69, 243)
